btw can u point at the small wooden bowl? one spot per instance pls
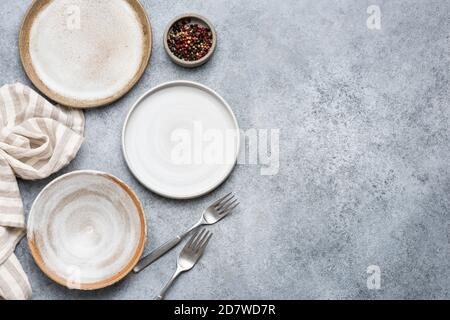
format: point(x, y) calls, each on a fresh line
point(201, 21)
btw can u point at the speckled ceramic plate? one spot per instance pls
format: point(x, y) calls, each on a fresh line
point(86, 230)
point(84, 53)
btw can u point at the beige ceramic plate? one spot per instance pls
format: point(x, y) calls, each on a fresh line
point(86, 230)
point(84, 53)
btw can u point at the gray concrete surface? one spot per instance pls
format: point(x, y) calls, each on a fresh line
point(364, 152)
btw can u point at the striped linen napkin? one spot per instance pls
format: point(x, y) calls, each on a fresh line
point(36, 140)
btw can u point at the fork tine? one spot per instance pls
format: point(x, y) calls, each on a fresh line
point(225, 202)
point(197, 239)
point(226, 207)
point(229, 210)
point(221, 199)
point(204, 243)
point(191, 240)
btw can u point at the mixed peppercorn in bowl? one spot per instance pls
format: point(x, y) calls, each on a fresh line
point(190, 40)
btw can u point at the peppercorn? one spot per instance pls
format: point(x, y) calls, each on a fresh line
point(189, 41)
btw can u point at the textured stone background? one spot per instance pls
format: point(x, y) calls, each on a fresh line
point(364, 177)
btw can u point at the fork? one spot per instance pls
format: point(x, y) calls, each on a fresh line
point(189, 256)
point(214, 213)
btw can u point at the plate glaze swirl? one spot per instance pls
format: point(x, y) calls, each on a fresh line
point(86, 230)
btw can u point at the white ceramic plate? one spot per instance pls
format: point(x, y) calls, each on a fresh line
point(84, 53)
point(181, 140)
point(86, 230)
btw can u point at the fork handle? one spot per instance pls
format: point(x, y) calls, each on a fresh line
point(156, 254)
point(166, 288)
point(162, 250)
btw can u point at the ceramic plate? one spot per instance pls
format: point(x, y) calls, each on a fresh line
point(181, 140)
point(86, 230)
point(84, 53)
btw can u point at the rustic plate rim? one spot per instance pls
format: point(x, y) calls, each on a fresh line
point(171, 84)
point(24, 41)
point(114, 278)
